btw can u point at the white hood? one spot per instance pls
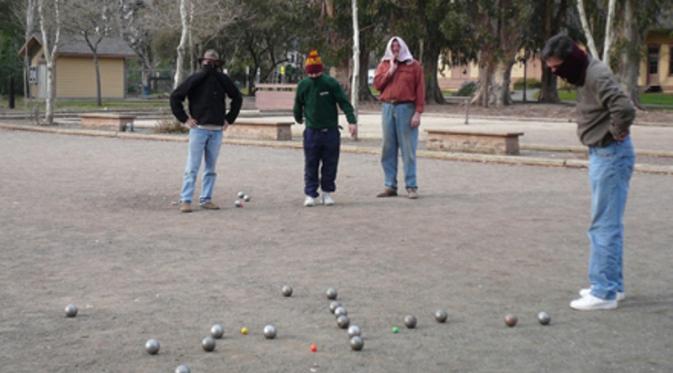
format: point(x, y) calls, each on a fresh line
point(405, 54)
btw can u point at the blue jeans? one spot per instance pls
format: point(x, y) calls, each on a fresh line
point(398, 134)
point(202, 144)
point(320, 146)
point(610, 170)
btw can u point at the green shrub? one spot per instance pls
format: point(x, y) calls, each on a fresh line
point(530, 83)
point(467, 89)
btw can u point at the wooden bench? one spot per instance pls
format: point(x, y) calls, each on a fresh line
point(115, 121)
point(274, 96)
point(490, 142)
point(465, 100)
point(259, 130)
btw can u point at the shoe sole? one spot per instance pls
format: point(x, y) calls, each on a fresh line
point(620, 296)
point(606, 307)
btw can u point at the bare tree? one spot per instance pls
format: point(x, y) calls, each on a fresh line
point(134, 28)
point(51, 34)
point(608, 32)
point(93, 20)
point(587, 30)
point(356, 59)
point(28, 33)
point(184, 21)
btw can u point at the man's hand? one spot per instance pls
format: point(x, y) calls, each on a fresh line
point(393, 67)
point(191, 123)
point(353, 129)
point(225, 126)
point(416, 120)
point(621, 136)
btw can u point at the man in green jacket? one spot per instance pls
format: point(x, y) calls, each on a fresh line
point(316, 100)
point(604, 115)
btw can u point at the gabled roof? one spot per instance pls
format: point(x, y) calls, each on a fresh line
point(75, 45)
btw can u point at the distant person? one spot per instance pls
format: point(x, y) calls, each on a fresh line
point(206, 91)
point(401, 82)
point(316, 100)
point(604, 115)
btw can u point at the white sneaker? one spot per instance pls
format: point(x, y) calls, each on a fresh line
point(309, 201)
point(587, 291)
point(327, 199)
point(591, 303)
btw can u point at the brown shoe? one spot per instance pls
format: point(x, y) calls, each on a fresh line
point(412, 193)
point(387, 193)
point(185, 207)
point(210, 206)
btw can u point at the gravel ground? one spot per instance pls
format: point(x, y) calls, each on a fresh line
point(92, 221)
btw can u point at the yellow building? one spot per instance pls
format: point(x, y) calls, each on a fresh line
point(75, 72)
point(656, 69)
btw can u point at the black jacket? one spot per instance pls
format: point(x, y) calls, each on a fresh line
point(206, 90)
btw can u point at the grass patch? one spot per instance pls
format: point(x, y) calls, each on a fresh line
point(170, 125)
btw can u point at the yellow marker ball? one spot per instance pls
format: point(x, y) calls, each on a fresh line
point(244, 330)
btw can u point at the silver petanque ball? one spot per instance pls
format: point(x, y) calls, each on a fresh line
point(543, 318)
point(246, 198)
point(343, 321)
point(410, 321)
point(238, 203)
point(240, 195)
point(71, 310)
point(357, 343)
point(286, 290)
point(331, 293)
point(334, 305)
point(216, 331)
point(270, 332)
point(183, 369)
point(152, 346)
point(354, 331)
point(208, 344)
point(340, 311)
point(441, 315)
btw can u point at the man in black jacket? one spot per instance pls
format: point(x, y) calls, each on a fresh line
point(207, 119)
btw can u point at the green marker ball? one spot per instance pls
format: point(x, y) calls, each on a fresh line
point(396, 330)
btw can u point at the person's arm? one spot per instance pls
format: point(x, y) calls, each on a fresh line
point(622, 112)
point(298, 109)
point(178, 97)
point(420, 96)
point(346, 107)
point(383, 74)
point(235, 95)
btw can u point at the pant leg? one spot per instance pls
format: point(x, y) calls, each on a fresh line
point(331, 143)
point(407, 138)
point(197, 141)
point(311, 162)
point(389, 151)
point(610, 170)
point(212, 151)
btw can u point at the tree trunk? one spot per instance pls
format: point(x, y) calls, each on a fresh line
point(587, 30)
point(356, 60)
point(49, 56)
point(30, 24)
point(184, 17)
point(608, 32)
point(96, 62)
point(364, 91)
point(483, 96)
point(432, 91)
point(548, 91)
point(630, 54)
point(502, 78)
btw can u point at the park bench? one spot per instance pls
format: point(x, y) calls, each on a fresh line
point(464, 100)
point(490, 142)
point(260, 130)
point(115, 121)
point(270, 97)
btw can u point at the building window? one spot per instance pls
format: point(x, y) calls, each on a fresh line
point(653, 59)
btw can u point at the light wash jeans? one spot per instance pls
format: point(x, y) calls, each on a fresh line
point(206, 144)
point(610, 170)
point(398, 134)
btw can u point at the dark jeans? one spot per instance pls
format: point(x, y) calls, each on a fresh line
point(320, 145)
